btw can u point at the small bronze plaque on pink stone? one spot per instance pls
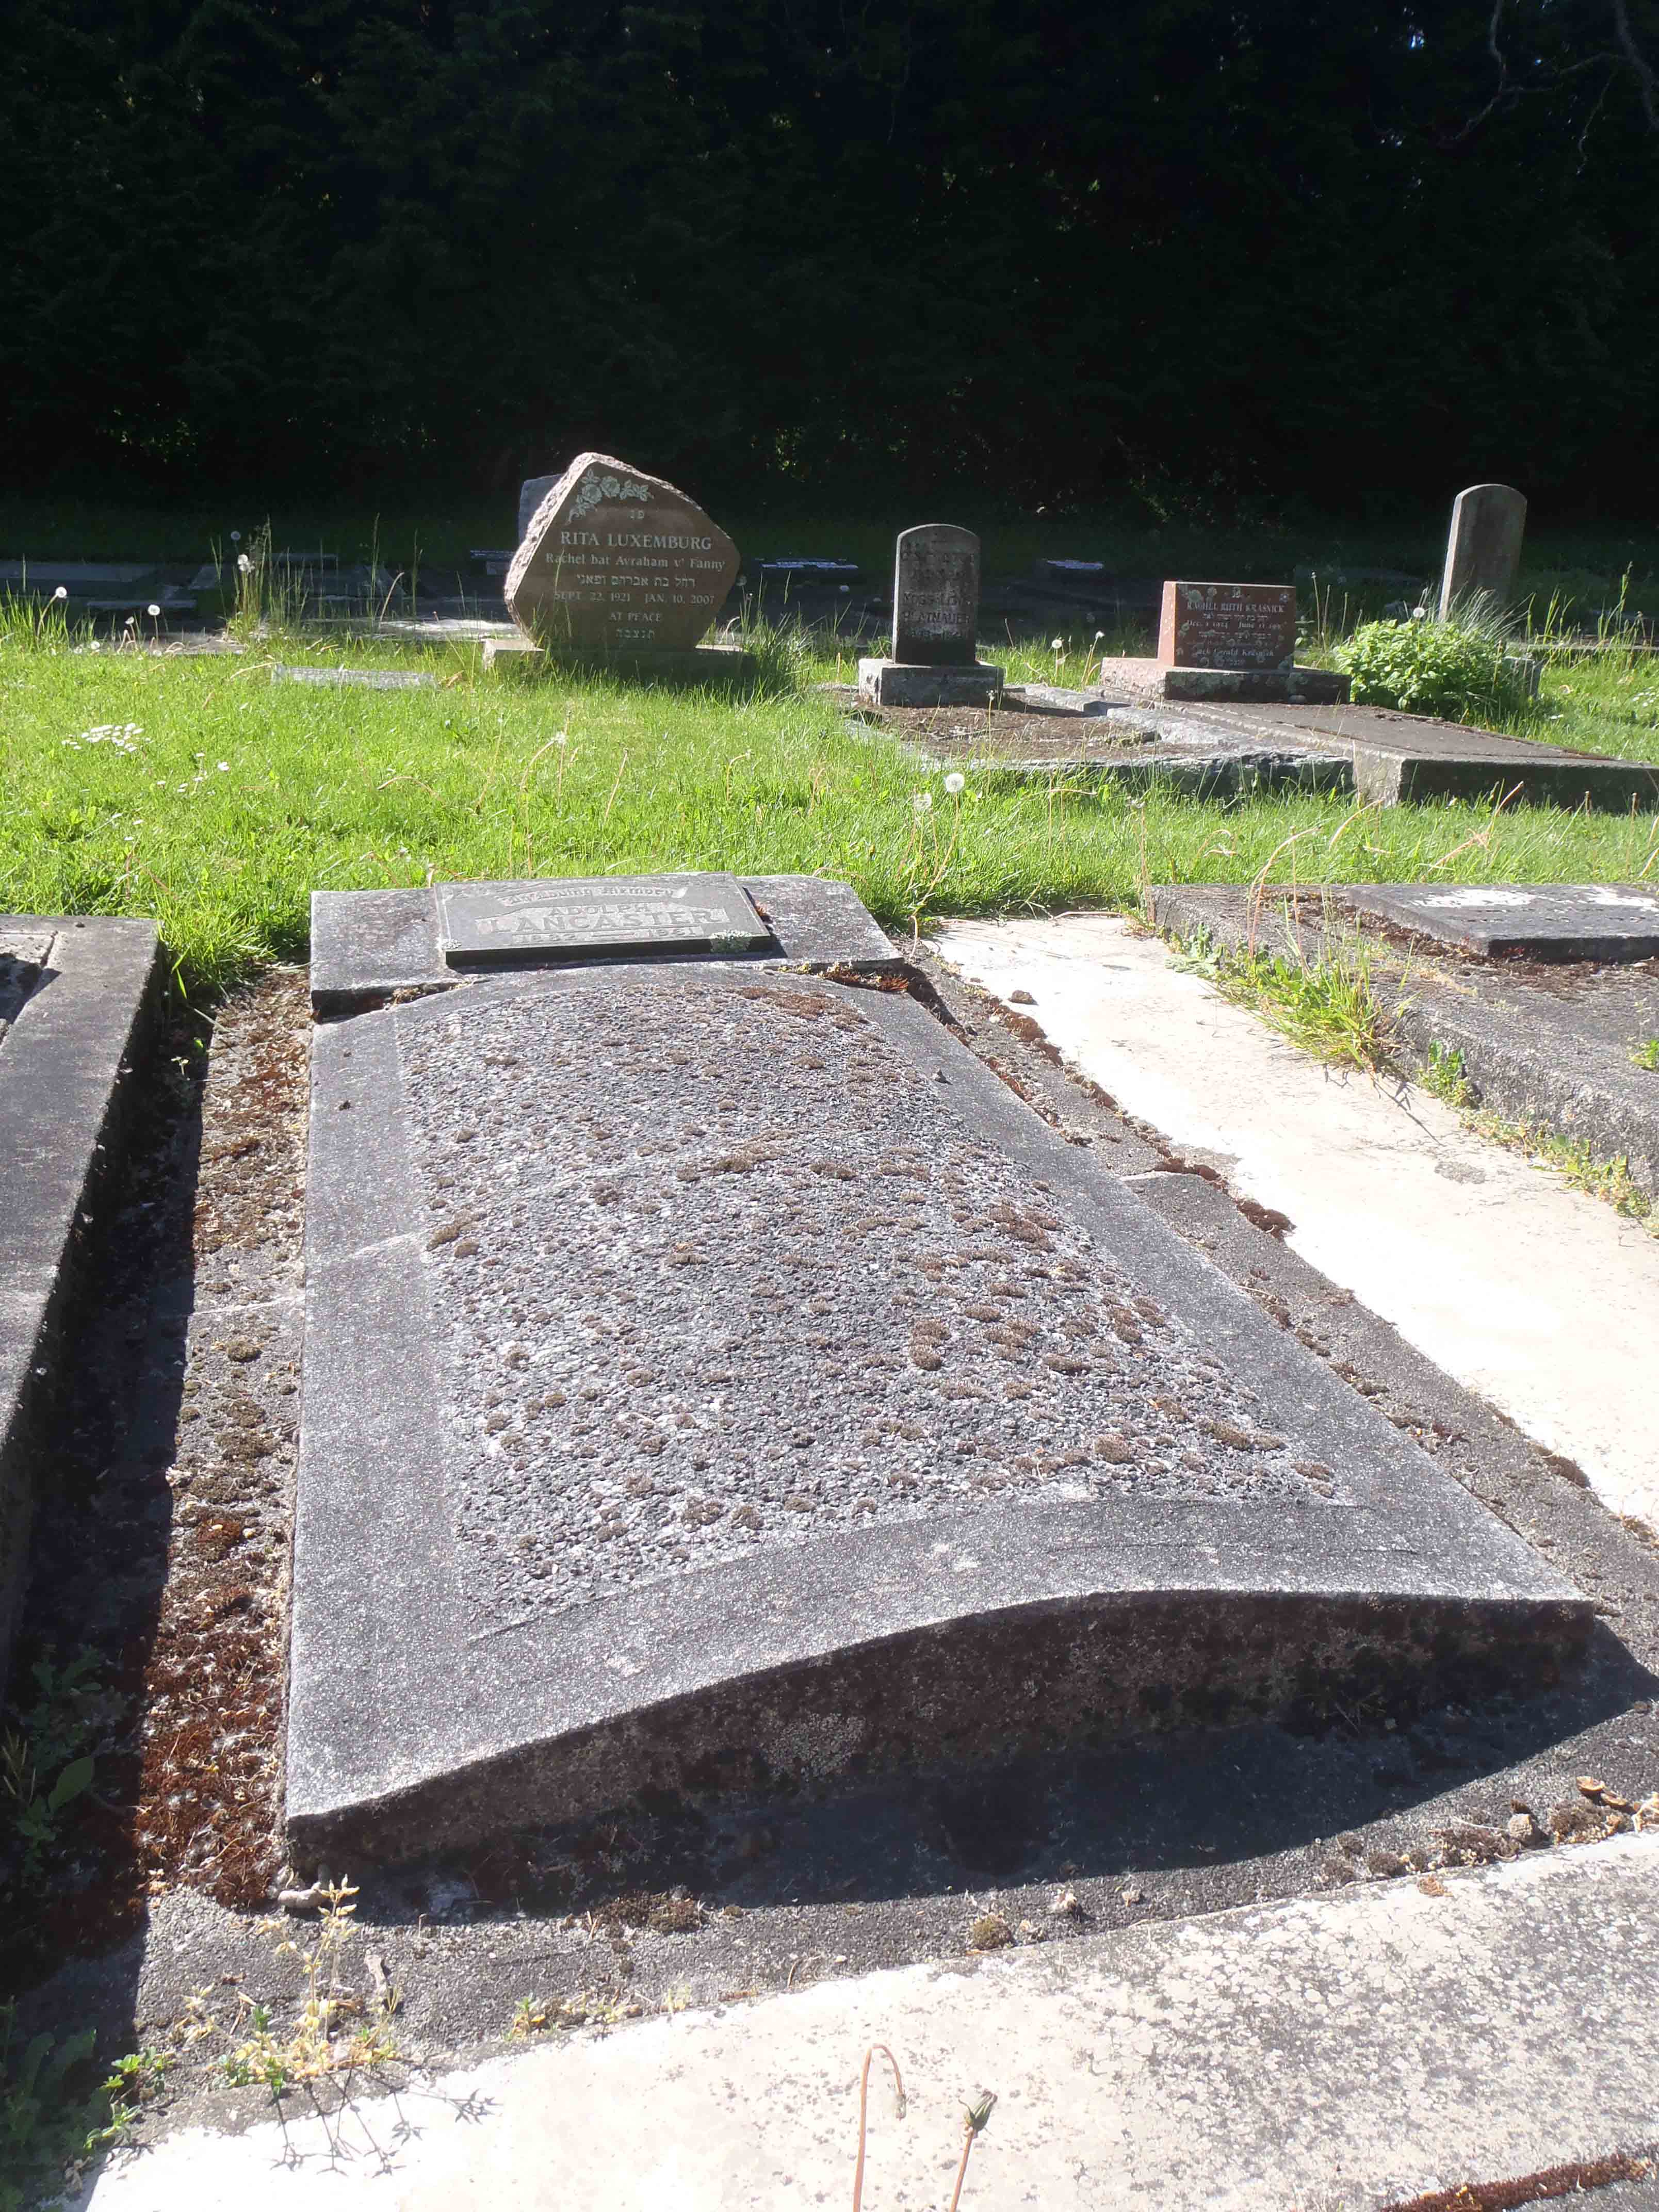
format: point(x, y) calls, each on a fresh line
point(615, 561)
point(1228, 626)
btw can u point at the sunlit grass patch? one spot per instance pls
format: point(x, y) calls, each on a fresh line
point(238, 796)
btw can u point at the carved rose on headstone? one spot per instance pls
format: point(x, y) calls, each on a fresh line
point(615, 561)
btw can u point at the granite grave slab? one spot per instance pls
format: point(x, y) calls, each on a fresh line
point(1540, 921)
point(366, 946)
point(77, 997)
point(1542, 1042)
point(1234, 626)
point(720, 1379)
point(1220, 641)
point(934, 657)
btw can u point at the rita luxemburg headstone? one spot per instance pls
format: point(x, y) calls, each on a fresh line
point(1482, 549)
point(934, 661)
point(618, 564)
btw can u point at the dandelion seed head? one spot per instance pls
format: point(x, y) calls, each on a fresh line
point(1057, 645)
point(62, 593)
point(955, 782)
point(153, 608)
point(922, 802)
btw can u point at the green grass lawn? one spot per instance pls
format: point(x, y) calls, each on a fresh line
point(197, 791)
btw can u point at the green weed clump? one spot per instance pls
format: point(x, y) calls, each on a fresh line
point(1326, 1007)
point(1460, 668)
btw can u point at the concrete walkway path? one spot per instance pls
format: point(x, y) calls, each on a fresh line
point(1351, 2052)
point(1537, 1297)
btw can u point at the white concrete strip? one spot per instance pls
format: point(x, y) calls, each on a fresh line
point(1347, 2051)
point(1539, 1297)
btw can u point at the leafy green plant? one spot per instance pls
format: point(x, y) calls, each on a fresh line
point(1444, 1076)
point(1459, 668)
point(45, 1762)
point(1326, 1007)
point(1646, 1055)
point(52, 2121)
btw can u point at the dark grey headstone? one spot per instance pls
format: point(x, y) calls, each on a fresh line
point(935, 595)
point(1483, 548)
point(1547, 922)
point(496, 925)
point(714, 1377)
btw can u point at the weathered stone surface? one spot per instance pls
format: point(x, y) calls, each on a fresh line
point(912, 683)
point(366, 945)
point(615, 559)
point(935, 595)
point(532, 492)
point(499, 925)
point(1151, 680)
point(1483, 549)
point(81, 999)
point(719, 1378)
point(1231, 626)
point(1545, 921)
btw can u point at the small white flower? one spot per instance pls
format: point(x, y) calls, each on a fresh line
point(954, 783)
point(922, 802)
point(245, 564)
point(224, 768)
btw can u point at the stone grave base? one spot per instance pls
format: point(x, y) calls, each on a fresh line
point(1151, 679)
point(716, 1378)
point(914, 683)
point(702, 663)
point(77, 999)
point(1541, 1042)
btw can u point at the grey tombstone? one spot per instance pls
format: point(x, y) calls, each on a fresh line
point(934, 661)
point(532, 492)
point(1482, 549)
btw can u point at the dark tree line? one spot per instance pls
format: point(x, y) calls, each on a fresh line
point(1049, 250)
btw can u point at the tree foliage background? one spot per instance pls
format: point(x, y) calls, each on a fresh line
point(1047, 249)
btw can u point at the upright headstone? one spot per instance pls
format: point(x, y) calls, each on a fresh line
point(618, 564)
point(934, 661)
point(1483, 550)
point(532, 492)
point(1225, 642)
point(1234, 626)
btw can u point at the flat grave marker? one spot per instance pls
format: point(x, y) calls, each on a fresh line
point(1542, 921)
point(493, 925)
point(715, 1378)
point(934, 661)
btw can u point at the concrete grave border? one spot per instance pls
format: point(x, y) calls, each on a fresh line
point(63, 1066)
point(366, 945)
point(917, 1643)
